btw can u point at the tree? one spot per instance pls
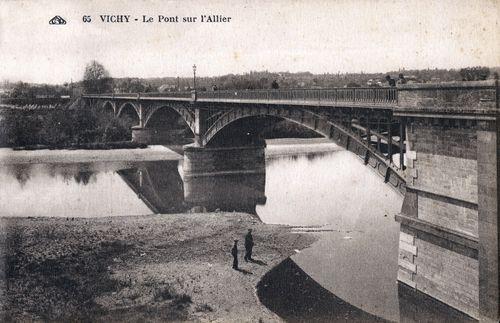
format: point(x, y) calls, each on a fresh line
point(275, 85)
point(96, 79)
point(477, 73)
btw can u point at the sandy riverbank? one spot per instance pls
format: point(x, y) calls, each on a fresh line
point(154, 268)
point(298, 146)
point(151, 153)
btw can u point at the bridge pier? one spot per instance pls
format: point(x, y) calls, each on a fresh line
point(449, 232)
point(212, 161)
point(205, 168)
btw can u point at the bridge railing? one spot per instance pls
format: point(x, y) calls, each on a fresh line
point(373, 96)
point(182, 95)
point(352, 95)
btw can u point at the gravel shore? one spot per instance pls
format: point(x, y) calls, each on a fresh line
point(153, 268)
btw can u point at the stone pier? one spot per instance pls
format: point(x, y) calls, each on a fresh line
point(208, 173)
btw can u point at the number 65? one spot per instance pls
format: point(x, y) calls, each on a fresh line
point(87, 19)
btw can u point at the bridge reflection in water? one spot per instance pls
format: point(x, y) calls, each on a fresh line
point(160, 186)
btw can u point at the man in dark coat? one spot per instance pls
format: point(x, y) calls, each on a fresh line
point(390, 80)
point(248, 245)
point(234, 252)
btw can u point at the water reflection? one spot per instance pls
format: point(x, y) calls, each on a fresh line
point(239, 193)
point(120, 188)
point(157, 184)
point(67, 190)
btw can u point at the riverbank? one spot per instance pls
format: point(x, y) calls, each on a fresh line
point(151, 153)
point(299, 147)
point(153, 268)
point(86, 146)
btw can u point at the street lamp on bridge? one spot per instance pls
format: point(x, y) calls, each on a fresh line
point(194, 76)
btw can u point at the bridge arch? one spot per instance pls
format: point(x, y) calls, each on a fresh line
point(322, 125)
point(109, 106)
point(126, 106)
point(184, 113)
point(315, 122)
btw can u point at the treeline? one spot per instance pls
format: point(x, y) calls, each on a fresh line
point(22, 90)
point(61, 128)
point(265, 80)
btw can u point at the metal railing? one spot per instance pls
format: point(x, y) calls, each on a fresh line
point(351, 95)
point(373, 96)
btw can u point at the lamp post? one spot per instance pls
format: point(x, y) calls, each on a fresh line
point(194, 77)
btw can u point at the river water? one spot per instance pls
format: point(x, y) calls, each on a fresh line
point(330, 193)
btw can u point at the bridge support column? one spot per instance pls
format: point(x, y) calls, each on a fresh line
point(141, 114)
point(378, 137)
point(200, 125)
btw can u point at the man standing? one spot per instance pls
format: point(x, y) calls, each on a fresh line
point(248, 245)
point(234, 252)
point(390, 80)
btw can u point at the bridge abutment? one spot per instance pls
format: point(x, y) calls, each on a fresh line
point(449, 238)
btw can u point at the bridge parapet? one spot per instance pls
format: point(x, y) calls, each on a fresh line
point(370, 97)
point(473, 98)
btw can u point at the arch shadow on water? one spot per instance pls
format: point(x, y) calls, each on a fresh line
point(293, 295)
point(296, 297)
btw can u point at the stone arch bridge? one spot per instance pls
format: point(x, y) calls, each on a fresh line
point(435, 143)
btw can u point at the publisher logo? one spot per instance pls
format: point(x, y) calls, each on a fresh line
point(57, 20)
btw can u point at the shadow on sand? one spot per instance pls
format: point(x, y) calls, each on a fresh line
point(258, 262)
point(292, 294)
point(243, 271)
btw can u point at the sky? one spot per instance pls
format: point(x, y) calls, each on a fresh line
point(319, 36)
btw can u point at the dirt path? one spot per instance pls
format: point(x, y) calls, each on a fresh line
point(154, 268)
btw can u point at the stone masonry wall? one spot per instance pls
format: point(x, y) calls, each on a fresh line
point(446, 165)
point(443, 173)
point(448, 276)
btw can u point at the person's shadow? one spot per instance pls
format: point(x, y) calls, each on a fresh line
point(258, 262)
point(243, 271)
